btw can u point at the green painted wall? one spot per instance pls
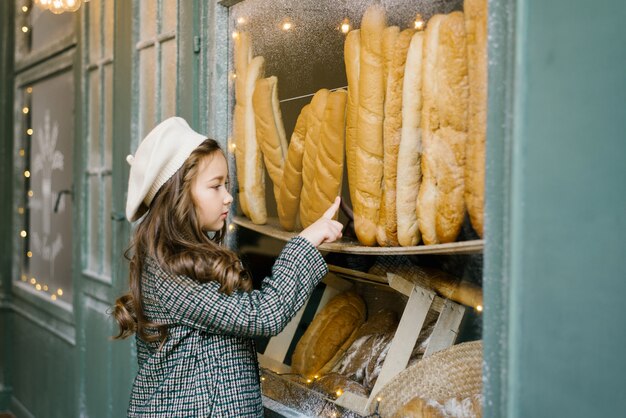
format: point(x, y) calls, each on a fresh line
point(6, 180)
point(568, 211)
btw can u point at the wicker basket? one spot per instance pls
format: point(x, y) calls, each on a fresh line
point(452, 373)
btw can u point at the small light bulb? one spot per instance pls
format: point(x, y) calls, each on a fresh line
point(345, 25)
point(24, 9)
point(379, 399)
point(308, 380)
point(27, 174)
point(38, 287)
point(24, 29)
point(287, 25)
point(29, 255)
point(29, 131)
point(29, 90)
point(419, 22)
point(32, 280)
point(22, 152)
point(60, 292)
point(262, 378)
point(339, 392)
point(53, 297)
point(30, 193)
point(231, 227)
point(25, 110)
point(20, 211)
point(479, 308)
point(23, 234)
point(45, 287)
point(235, 35)
point(241, 20)
point(24, 278)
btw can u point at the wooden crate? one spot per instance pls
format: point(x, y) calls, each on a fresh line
point(419, 302)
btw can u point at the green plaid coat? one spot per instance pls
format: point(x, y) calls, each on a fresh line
point(208, 365)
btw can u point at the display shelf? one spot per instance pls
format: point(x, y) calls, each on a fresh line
point(273, 229)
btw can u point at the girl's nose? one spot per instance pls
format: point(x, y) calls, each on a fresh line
point(228, 199)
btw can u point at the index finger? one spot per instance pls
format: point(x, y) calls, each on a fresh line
point(330, 212)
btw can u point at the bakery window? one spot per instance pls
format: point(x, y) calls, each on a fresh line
point(383, 104)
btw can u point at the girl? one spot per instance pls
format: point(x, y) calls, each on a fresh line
point(191, 304)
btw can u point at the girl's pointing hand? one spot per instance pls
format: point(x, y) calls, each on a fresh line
point(325, 229)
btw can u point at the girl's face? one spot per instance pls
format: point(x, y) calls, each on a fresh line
point(209, 191)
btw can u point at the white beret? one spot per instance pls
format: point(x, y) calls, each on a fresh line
point(162, 152)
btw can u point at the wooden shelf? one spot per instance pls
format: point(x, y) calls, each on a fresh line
point(273, 229)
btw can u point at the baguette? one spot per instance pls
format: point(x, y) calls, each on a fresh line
point(254, 173)
point(327, 333)
point(369, 144)
point(242, 54)
point(392, 129)
point(309, 158)
point(441, 205)
point(409, 152)
point(329, 157)
point(476, 28)
point(291, 185)
point(269, 129)
point(352, 50)
point(390, 34)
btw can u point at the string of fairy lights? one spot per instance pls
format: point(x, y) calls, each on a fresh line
point(39, 285)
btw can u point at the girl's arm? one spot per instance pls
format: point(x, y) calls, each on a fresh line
point(296, 272)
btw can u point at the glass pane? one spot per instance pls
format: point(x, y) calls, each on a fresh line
point(108, 226)
point(108, 116)
point(147, 12)
point(95, 30)
point(168, 78)
point(309, 55)
point(93, 214)
point(170, 16)
point(47, 28)
point(50, 200)
point(109, 7)
point(94, 118)
point(147, 89)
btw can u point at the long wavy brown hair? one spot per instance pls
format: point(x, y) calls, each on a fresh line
point(170, 234)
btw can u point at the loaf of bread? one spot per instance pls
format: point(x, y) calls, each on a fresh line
point(409, 152)
point(390, 34)
point(335, 384)
point(330, 155)
point(392, 128)
point(242, 54)
point(476, 28)
point(363, 360)
point(254, 172)
point(369, 144)
point(327, 333)
point(418, 408)
point(441, 204)
point(288, 203)
point(309, 158)
point(270, 130)
point(470, 407)
point(352, 48)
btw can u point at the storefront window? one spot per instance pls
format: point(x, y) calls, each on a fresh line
point(157, 70)
point(99, 112)
point(48, 192)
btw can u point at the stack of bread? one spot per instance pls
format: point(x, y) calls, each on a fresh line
point(407, 127)
point(340, 351)
point(412, 123)
point(250, 166)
